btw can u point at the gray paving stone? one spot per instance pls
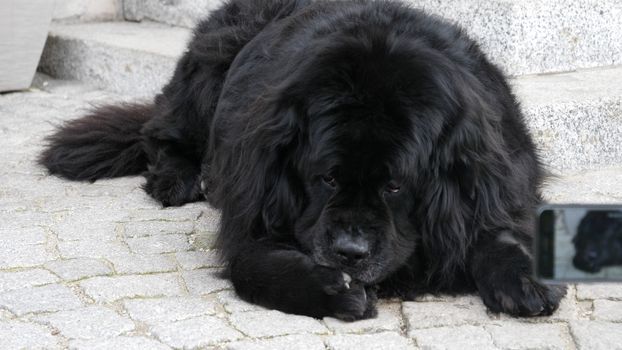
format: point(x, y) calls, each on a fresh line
point(21, 335)
point(91, 322)
point(459, 311)
point(141, 264)
point(48, 298)
point(599, 291)
point(76, 269)
point(450, 338)
point(118, 343)
point(22, 236)
point(19, 256)
point(288, 342)
point(24, 219)
point(232, 303)
point(389, 319)
point(208, 222)
point(24, 279)
point(515, 335)
point(205, 281)
point(91, 249)
point(596, 335)
point(273, 323)
point(131, 286)
point(82, 228)
point(152, 228)
point(380, 341)
point(193, 260)
point(162, 310)
point(608, 310)
point(158, 244)
point(195, 332)
point(141, 220)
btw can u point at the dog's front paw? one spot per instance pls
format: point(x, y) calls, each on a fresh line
point(521, 296)
point(346, 299)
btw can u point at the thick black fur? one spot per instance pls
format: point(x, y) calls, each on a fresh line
point(598, 242)
point(341, 140)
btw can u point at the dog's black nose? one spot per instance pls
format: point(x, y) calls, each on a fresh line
point(351, 250)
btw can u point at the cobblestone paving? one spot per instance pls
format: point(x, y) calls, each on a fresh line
point(101, 266)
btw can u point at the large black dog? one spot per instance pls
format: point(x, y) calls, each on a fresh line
point(598, 242)
point(356, 149)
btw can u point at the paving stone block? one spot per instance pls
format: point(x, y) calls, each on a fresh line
point(195, 332)
point(91, 249)
point(519, 336)
point(453, 338)
point(233, 304)
point(607, 310)
point(142, 219)
point(288, 342)
point(205, 281)
point(596, 335)
point(20, 256)
point(77, 228)
point(23, 279)
point(599, 291)
point(92, 322)
point(273, 323)
point(380, 341)
point(124, 343)
point(152, 228)
point(162, 310)
point(48, 298)
point(76, 269)
point(21, 335)
point(131, 286)
point(22, 236)
point(193, 260)
point(463, 310)
point(142, 264)
point(158, 244)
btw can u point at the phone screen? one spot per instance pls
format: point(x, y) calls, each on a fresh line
point(579, 243)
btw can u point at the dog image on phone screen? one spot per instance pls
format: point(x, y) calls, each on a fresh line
point(355, 149)
point(598, 242)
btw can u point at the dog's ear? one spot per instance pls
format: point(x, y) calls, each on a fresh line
point(283, 198)
point(472, 183)
point(257, 187)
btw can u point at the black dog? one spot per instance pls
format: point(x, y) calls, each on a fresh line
point(598, 242)
point(355, 148)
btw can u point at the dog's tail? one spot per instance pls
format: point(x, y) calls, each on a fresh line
point(104, 144)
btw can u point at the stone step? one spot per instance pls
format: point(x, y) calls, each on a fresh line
point(126, 57)
point(576, 117)
point(524, 37)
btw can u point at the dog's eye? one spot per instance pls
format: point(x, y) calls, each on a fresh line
point(393, 187)
point(329, 180)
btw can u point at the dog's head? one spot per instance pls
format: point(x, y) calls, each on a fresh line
point(351, 149)
point(598, 242)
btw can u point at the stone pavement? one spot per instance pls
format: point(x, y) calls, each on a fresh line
point(102, 266)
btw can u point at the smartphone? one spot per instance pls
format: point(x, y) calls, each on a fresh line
point(579, 243)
